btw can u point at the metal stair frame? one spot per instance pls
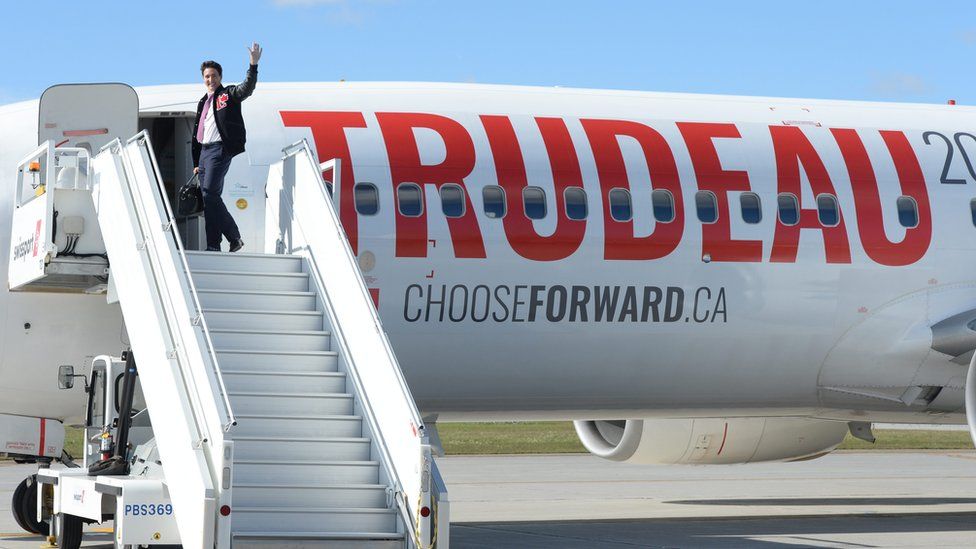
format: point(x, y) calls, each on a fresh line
point(169, 336)
point(177, 353)
point(301, 220)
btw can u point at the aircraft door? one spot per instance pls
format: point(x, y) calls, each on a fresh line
point(87, 115)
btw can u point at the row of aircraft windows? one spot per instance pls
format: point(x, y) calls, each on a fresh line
point(410, 203)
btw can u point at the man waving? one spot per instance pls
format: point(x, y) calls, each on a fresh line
point(218, 137)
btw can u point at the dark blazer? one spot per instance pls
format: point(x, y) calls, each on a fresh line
point(227, 115)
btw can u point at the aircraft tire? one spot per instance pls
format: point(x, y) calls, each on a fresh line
point(69, 531)
point(28, 508)
point(17, 504)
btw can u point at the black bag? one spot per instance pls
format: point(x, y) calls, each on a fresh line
point(189, 201)
point(114, 465)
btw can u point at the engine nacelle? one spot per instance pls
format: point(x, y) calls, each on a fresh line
point(711, 440)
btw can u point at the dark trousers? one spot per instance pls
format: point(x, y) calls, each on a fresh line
point(213, 167)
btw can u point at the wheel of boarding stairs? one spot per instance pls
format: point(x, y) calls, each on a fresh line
point(69, 532)
point(17, 505)
point(29, 509)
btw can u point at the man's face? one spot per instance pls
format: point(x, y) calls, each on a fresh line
point(211, 79)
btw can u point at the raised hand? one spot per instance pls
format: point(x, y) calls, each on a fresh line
point(255, 51)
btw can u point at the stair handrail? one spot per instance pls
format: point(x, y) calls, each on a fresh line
point(144, 234)
point(405, 501)
point(173, 324)
point(229, 420)
point(401, 380)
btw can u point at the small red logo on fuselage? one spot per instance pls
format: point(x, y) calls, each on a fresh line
point(37, 236)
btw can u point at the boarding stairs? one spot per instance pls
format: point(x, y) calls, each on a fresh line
point(280, 412)
point(303, 462)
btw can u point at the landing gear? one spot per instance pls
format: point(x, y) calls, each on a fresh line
point(24, 507)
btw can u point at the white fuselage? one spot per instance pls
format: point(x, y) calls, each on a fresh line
point(511, 317)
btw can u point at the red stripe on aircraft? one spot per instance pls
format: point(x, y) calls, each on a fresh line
point(41, 448)
point(84, 133)
point(725, 435)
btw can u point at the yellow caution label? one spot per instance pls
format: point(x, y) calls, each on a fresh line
point(241, 204)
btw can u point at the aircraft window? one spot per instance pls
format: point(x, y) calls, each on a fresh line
point(789, 209)
point(751, 208)
point(972, 210)
point(707, 206)
point(827, 210)
point(452, 200)
point(494, 198)
point(410, 200)
point(534, 199)
point(620, 207)
point(663, 205)
point(367, 198)
point(907, 212)
point(575, 203)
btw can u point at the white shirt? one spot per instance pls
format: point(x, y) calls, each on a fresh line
point(210, 132)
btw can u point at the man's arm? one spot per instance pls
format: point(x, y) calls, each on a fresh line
point(244, 90)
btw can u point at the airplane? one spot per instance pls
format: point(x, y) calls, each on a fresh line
point(689, 278)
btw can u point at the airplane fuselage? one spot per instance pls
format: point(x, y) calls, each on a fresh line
point(591, 297)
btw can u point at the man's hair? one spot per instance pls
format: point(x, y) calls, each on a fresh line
point(212, 65)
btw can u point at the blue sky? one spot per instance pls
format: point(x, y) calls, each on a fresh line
point(885, 51)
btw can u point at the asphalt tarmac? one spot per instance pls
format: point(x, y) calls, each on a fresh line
point(847, 499)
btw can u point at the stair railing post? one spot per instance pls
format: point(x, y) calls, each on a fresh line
point(424, 505)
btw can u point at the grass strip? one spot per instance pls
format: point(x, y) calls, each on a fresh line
point(911, 439)
point(559, 437)
point(544, 437)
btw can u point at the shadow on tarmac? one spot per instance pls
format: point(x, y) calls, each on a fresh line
point(955, 530)
point(828, 501)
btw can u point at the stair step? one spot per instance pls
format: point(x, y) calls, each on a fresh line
point(312, 540)
point(264, 300)
point(369, 496)
point(261, 360)
point(284, 382)
point(241, 262)
point(272, 340)
point(256, 320)
point(271, 519)
point(293, 472)
point(242, 280)
point(335, 448)
point(267, 403)
point(299, 425)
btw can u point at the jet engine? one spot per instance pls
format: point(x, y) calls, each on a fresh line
point(703, 441)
